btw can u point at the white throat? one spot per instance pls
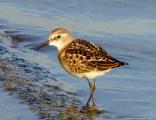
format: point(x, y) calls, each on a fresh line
point(61, 44)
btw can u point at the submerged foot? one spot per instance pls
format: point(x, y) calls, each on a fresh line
point(84, 109)
point(92, 110)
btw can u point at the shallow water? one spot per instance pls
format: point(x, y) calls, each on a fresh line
point(124, 28)
point(16, 110)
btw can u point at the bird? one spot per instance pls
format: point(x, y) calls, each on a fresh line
point(81, 58)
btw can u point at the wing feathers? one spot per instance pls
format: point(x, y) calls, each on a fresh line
point(89, 57)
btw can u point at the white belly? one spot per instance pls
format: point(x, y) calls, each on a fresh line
point(94, 74)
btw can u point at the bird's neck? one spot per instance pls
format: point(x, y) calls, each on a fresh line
point(64, 44)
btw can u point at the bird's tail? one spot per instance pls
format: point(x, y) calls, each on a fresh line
point(120, 63)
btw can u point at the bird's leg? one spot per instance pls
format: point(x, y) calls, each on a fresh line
point(91, 93)
point(93, 90)
point(90, 87)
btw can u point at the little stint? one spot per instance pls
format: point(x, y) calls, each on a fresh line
point(81, 58)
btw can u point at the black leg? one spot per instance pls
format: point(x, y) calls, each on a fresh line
point(87, 104)
point(92, 89)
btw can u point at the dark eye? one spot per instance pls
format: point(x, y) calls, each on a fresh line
point(58, 36)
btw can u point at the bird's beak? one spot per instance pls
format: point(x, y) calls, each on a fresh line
point(41, 45)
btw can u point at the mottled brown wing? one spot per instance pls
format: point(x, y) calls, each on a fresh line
point(89, 57)
point(75, 59)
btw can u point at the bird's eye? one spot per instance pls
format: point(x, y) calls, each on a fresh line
point(58, 36)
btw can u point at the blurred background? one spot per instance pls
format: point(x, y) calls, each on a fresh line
point(126, 29)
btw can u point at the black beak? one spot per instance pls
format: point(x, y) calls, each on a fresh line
point(41, 45)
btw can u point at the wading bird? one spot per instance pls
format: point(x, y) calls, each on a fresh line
point(81, 58)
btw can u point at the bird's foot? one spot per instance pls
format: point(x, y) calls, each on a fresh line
point(85, 107)
point(94, 110)
point(91, 109)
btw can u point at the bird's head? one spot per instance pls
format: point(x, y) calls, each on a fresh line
point(59, 38)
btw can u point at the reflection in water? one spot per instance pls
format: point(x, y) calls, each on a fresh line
point(75, 112)
point(125, 28)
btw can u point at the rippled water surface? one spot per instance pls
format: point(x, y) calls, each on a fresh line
point(125, 28)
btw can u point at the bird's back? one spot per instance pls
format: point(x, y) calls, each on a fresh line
point(81, 58)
